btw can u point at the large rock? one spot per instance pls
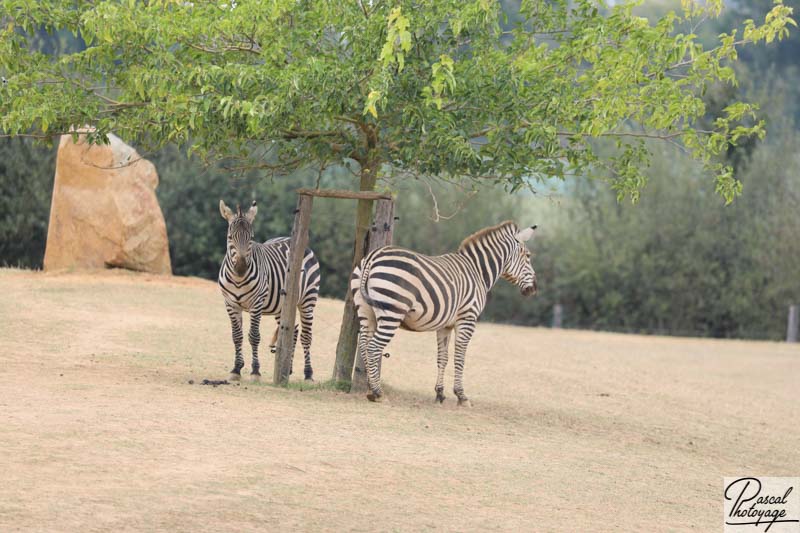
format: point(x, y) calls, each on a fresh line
point(105, 212)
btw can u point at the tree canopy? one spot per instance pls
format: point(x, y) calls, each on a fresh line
point(451, 88)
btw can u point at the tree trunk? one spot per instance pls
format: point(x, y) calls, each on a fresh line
point(348, 334)
point(380, 235)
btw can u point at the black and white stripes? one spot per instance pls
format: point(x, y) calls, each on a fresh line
point(252, 278)
point(394, 287)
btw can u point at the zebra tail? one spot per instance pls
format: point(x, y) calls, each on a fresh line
point(362, 287)
point(362, 283)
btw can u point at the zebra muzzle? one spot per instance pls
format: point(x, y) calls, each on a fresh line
point(240, 267)
point(530, 290)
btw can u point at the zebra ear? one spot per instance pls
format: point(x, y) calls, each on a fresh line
point(526, 234)
point(251, 213)
point(225, 211)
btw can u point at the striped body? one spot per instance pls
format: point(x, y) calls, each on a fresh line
point(267, 269)
point(252, 279)
point(398, 288)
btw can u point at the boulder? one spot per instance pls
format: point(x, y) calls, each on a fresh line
point(104, 212)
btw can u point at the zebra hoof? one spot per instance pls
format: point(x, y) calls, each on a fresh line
point(440, 397)
point(255, 378)
point(375, 397)
point(463, 402)
point(235, 376)
point(309, 379)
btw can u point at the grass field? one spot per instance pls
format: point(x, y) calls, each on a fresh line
point(572, 431)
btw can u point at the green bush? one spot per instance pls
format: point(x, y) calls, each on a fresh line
point(26, 185)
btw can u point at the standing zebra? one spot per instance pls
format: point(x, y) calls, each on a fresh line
point(394, 287)
point(252, 278)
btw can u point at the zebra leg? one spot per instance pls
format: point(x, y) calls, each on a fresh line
point(365, 332)
point(273, 343)
point(384, 331)
point(255, 339)
point(442, 340)
point(238, 336)
point(306, 320)
point(464, 331)
point(366, 327)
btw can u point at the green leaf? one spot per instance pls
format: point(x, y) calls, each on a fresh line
point(372, 100)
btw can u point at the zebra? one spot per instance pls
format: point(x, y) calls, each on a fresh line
point(398, 288)
point(252, 278)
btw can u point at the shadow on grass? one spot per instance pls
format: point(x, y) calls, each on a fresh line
point(321, 386)
point(329, 385)
point(337, 386)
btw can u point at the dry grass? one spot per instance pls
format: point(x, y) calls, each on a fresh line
point(572, 431)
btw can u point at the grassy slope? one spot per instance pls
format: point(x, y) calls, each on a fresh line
point(569, 430)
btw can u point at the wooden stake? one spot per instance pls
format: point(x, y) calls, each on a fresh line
point(793, 323)
point(558, 315)
point(297, 248)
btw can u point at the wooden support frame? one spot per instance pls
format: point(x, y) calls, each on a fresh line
point(380, 234)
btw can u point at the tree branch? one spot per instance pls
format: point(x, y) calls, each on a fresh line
point(363, 8)
point(665, 136)
point(267, 166)
point(253, 48)
point(302, 134)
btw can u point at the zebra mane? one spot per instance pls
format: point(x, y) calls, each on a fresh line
point(485, 231)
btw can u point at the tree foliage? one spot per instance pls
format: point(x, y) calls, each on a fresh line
point(440, 88)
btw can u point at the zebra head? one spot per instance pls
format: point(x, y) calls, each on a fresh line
point(518, 268)
point(240, 236)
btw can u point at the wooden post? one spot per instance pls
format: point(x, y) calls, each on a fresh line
point(297, 249)
point(558, 315)
point(793, 323)
point(380, 235)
